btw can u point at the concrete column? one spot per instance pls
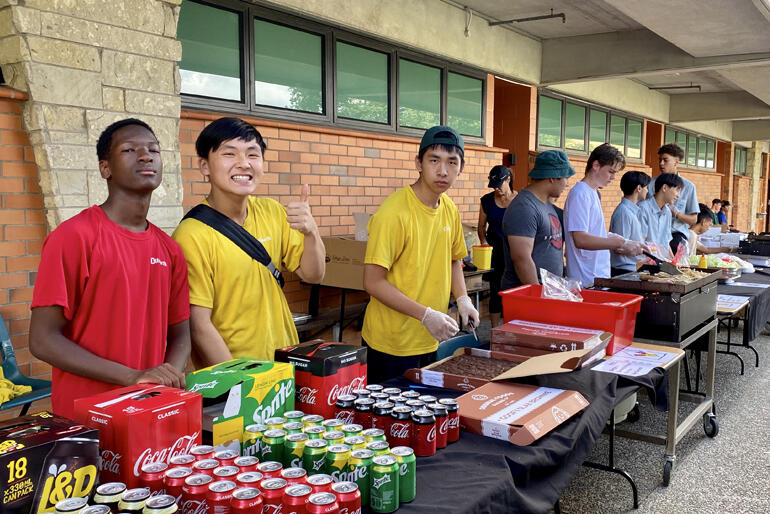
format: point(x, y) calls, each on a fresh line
point(754, 168)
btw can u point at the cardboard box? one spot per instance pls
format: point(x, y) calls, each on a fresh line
point(521, 366)
point(248, 391)
point(45, 458)
point(139, 425)
point(521, 414)
point(344, 263)
point(543, 336)
point(322, 372)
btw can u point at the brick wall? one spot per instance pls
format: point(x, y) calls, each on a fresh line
point(347, 171)
point(22, 230)
point(741, 212)
point(708, 185)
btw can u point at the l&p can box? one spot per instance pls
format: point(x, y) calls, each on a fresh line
point(242, 392)
point(44, 459)
point(140, 424)
point(323, 371)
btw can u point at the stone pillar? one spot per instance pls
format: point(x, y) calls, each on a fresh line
point(754, 169)
point(84, 65)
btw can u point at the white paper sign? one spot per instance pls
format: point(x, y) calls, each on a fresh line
point(628, 367)
point(432, 378)
point(750, 284)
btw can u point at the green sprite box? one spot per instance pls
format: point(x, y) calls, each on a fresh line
point(242, 392)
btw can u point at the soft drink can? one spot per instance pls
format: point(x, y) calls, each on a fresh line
point(272, 494)
point(362, 392)
point(251, 440)
point(323, 503)
point(424, 433)
point(219, 496)
point(407, 473)
point(415, 404)
point(360, 471)
point(173, 480)
point(246, 463)
point(356, 442)
point(363, 412)
point(275, 423)
point(70, 505)
point(249, 479)
point(202, 451)
point(348, 497)
point(442, 424)
point(384, 493)
point(352, 429)
point(194, 493)
point(314, 456)
point(273, 445)
point(246, 500)
point(392, 391)
point(98, 509)
point(293, 415)
point(378, 447)
point(295, 444)
point(381, 416)
point(270, 468)
point(332, 424)
point(133, 500)
point(226, 473)
point(398, 400)
point(400, 433)
point(185, 460)
point(294, 476)
point(109, 494)
point(315, 431)
point(205, 466)
point(321, 483)
point(293, 427)
point(453, 415)
point(410, 395)
point(344, 407)
point(427, 398)
point(162, 504)
point(374, 434)
point(334, 437)
point(337, 456)
point(226, 457)
point(379, 397)
point(312, 420)
point(295, 498)
point(375, 388)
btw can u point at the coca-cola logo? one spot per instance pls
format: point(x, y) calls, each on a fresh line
point(272, 508)
point(194, 507)
point(336, 391)
point(181, 446)
point(432, 434)
point(454, 422)
point(345, 415)
point(307, 395)
point(110, 461)
point(399, 430)
point(346, 510)
point(444, 427)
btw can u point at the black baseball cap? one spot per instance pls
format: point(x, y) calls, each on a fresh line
point(441, 135)
point(498, 175)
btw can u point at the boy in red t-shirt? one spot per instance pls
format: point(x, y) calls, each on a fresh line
point(111, 305)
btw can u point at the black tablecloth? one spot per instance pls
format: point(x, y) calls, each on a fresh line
point(480, 474)
point(759, 302)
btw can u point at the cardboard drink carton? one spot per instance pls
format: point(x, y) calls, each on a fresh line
point(544, 337)
point(140, 424)
point(323, 371)
point(44, 459)
point(517, 413)
point(242, 392)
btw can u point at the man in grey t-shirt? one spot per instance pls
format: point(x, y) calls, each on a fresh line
point(531, 223)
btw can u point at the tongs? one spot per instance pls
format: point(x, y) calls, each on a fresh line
point(662, 265)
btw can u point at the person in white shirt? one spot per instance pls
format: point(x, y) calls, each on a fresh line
point(588, 244)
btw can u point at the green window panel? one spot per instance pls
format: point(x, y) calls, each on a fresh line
point(692, 146)
point(618, 132)
point(288, 71)
point(710, 153)
point(701, 159)
point(549, 122)
point(597, 132)
point(362, 84)
point(670, 136)
point(681, 140)
point(419, 95)
point(464, 104)
point(211, 52)
point(575, 127)
point(634, 139)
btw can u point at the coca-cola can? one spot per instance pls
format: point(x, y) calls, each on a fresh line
point(194, 493)
point(202, 451)
point(400, 433)
point(348, 497)
point(270, 468)
point(321, 483)
point(381, 415)
point(362, 392)
point(173, 480)
point(226, 472)
point(415, 404)
point(392, 391)
point(379, 397)
point(272, 494)
point(151, 476)
point(294, 475)
point(363, 412)
point(323, 503)
point(246, 500)
point(295, 498)
point(410, 395)
point(205, 466)
point(219, 496)
point(442, 424)
point(397, 400)
point(424, 433)
point(344, 408)
point(186, 460)
point(427, 398)
point(226, 457)
point(453, 415)
point(375, 388)
point(246, 463)
point(249, 479)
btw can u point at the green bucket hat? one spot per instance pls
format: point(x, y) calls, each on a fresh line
point(551, 164)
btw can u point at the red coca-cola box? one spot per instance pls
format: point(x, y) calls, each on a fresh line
point(322, 372)
point(140, 424)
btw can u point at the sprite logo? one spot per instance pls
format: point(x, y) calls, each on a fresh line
point(352, 475)
point(201, 387)
point(276, 403)
point(266, 449)
point(402, 470)
point(379, 482)
point(317, 465)
point(295, 463)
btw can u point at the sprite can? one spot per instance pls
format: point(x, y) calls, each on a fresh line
point(293, 415)
point(356, 442)
point(314, 431)
point(378, 447)
point(359, 470)
point(251, 441)
point(294, 427)
point(273, 445)
point(349, 430)
point(384, 493)
point(334, 437)
point(374, 434)
point(275, 423)
point(314, 456)
point(312, 419)
point(337, 456)
point(295, 445)
point(407, 473)
point(333, 424)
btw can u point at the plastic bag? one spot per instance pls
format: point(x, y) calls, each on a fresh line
point(559, 288)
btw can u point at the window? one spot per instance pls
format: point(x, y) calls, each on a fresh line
point(575, 127)
point(419, 94)
point(288, 69)
point(247, 58)
point(634, 148)
point(691, 149)
point(618, 132)
point(549, 122)
point(362, 83)
point(710, 151)
point(464, 103)
point(670, 136)
point(698, 151)
point(598, 130)
point(740, 161)
point(701, 158)
point(211, 57)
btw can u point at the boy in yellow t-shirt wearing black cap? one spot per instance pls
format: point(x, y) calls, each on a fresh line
point(413, 260)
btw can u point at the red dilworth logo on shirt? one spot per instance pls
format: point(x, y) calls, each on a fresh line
point(307, 395)
point(110, 460)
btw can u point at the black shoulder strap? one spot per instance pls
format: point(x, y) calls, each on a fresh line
point(237, 234)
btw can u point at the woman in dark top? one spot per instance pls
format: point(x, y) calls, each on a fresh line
point(490, 231)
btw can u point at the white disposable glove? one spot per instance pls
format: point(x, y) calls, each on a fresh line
point(673, 209)
point(632, 248)
point(468, 313)
point(440, 326)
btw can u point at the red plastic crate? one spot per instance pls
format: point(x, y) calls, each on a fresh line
point(525, 303)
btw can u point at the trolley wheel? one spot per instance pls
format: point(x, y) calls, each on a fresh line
point(710, 425)
point(667, 472)
point(633, 415)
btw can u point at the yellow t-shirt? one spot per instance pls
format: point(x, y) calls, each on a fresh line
point(248, 308)
point(417, 245)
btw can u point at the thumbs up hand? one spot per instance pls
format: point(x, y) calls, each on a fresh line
point(298, 213)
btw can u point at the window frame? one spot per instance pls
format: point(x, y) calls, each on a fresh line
point(330, 36)
point(698, 138)
point(743, 152)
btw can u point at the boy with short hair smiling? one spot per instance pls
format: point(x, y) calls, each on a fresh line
point(625, 218)
point(655, 213)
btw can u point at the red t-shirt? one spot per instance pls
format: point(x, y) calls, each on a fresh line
point(120, 290)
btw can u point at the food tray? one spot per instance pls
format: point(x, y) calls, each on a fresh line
point(631, 282)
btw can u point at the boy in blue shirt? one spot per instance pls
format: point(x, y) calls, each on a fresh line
point(625, 220)
point(655, 214)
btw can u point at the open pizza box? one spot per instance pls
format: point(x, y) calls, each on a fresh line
point(522, 365)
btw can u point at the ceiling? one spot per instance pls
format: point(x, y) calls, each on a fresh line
point(721, 45)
